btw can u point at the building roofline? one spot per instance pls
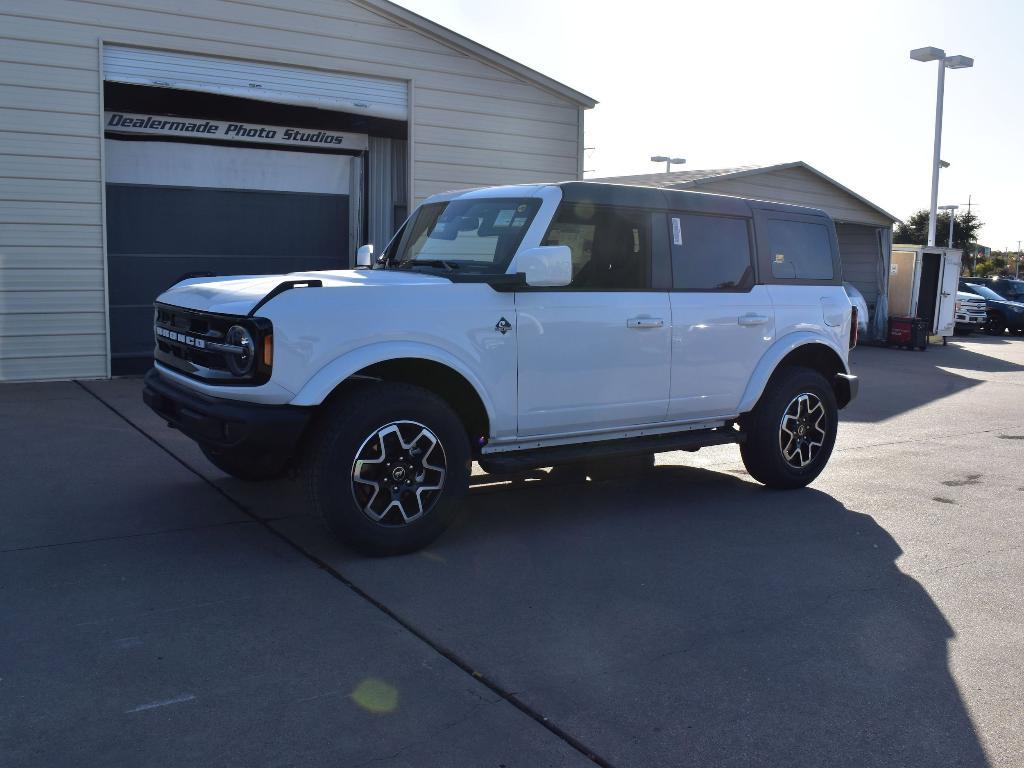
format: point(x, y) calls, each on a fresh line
point(474, 49)
point(798, 164)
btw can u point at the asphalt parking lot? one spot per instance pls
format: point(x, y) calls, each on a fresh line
point(155, 612)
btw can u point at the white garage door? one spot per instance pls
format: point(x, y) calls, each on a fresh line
point(375, 97)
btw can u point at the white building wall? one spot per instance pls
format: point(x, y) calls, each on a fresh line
point(471, 124)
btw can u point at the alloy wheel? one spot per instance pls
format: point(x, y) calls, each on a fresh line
point(802, 431)
point(398, 473)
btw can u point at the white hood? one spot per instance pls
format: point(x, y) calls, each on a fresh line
point(237, 295)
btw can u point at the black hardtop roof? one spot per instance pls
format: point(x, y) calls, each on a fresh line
point(600, 193)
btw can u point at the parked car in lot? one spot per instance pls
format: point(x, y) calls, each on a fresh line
point(971, 312)
point(1007, 287)
point(1003, 314)
point(521, 326)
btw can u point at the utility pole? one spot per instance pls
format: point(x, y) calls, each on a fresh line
point(1016, 275)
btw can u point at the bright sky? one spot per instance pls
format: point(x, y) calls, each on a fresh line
point(735, 83)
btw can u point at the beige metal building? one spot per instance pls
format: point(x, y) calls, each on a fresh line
point(141, 140)
point(864, 229)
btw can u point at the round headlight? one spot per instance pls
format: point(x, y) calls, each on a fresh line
point(241, 363)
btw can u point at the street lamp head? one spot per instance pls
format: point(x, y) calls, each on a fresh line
point(948, 207)
point(927, 54)
point(661, 159)
point(958, 62)
point(678, 161)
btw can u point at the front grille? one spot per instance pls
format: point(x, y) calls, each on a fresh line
point(187, 340)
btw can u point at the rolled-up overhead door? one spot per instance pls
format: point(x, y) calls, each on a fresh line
point(296, 86)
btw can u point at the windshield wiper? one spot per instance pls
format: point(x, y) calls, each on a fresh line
point(410, 263)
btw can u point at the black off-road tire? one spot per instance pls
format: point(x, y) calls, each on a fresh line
point(350, 425)
point(762, 451)
point(253, 470)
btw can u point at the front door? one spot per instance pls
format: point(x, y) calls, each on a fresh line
point(595, 355)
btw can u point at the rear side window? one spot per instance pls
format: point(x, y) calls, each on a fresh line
point(611, 247)
point(800, 250)
point(710, 253)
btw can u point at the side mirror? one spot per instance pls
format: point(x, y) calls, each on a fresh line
point(546, 266)
point(364, 257)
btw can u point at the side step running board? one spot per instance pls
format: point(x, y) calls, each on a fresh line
point(519, 461)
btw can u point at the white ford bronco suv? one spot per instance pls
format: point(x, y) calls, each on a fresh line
point(521, 327)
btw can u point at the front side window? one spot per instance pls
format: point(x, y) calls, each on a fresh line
point(611, 247)
point(800, 250)
point(480, 235)
point(710, 253)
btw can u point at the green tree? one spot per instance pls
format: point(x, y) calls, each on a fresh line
point(915, 230)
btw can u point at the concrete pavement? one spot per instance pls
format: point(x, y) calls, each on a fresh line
point(159, 613)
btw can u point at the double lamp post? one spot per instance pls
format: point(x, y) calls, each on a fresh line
point(945, 62)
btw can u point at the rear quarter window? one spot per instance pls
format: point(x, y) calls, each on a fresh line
point(800, 250)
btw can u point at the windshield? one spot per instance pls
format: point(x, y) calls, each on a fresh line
point(1013, 291)
point(988, 293)
point(481, 234)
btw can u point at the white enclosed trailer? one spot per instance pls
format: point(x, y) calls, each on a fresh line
point(923, 283)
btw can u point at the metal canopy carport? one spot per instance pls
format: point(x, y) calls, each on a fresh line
point(863, 228)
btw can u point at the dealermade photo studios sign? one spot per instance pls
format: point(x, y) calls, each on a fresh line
point(192, 128)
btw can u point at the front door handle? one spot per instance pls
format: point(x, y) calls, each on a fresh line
point(752, 319)
point(645, 322)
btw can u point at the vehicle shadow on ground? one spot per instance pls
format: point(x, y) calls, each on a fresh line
point(692, 617)
point(894, 381)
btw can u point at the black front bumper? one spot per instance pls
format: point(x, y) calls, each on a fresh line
point(265, 433)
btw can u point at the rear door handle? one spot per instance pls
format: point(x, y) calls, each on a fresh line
point(645, 322)
point(752, 319)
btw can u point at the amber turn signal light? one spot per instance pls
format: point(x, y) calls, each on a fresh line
point(268, 350)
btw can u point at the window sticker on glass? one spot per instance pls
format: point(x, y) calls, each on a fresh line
point(677, 231)
point(518, 221)
point(504, 218)
point(780, 258)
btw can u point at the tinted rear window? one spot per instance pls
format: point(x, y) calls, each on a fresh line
point(800, 250)
point(710, 253)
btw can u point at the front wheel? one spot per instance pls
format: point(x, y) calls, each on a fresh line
point(791, 432)
point(387, 468)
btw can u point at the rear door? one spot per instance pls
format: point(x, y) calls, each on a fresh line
point(595, 354)
point(722, 322)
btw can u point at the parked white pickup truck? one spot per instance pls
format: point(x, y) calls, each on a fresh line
point(523, 326)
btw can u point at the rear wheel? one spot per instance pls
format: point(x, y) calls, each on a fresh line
point(387, 468)
point(791, 432)
point(995, 325)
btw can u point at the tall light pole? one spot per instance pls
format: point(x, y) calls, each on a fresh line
point(952, 217)
point(668, 161)
point(951, 62)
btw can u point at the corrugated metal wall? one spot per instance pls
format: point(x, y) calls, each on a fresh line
point(473, 124)
point(861, 253)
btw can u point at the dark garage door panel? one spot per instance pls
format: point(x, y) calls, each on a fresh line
point(156, 234)
point(860, 252)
